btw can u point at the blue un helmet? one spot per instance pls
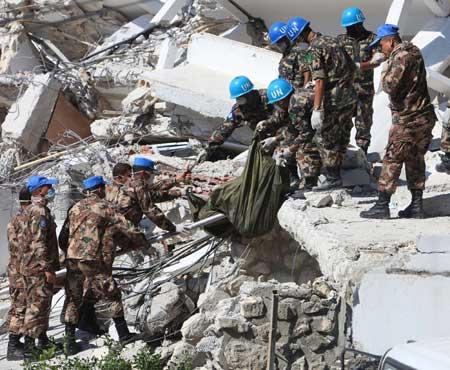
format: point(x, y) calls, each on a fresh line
point(295, 27)
point(277, 31)
point(93, 182)
point(143, 164)
point(36, 182)
point(278, 90)
point(239, 86)
point(351, 16)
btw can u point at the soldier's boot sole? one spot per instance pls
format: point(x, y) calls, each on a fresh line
point(376, 213)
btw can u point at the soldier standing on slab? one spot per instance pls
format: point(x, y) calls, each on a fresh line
point(413, 119)
point(251, 107)
point(356, 42)
point(93, 225)
point(40, 260)
point(16, 314)
point(334, 97)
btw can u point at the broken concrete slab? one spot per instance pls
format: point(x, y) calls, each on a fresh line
point(168, 54)
point(28, 119)
point(319, 200)
point(201, 83)
point(355, 177)
point(392, 308)
point(432, 243)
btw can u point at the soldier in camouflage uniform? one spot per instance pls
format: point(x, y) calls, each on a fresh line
point(141, 194)
point(444, 166)
point(356, 42)
point(251, 108)
point(93, 225)
point(40, 260)
point(413, 119)
point(298, 134)
point(16, 314)
point(293, 66)
point(334, 97)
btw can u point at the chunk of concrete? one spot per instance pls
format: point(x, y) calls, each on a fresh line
point(252, 307)
point(28, 118)
point(394, 308)
point(168, 54)
point(319, 200)
point(431, 243)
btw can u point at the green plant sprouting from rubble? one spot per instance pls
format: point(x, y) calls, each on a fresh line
point(145, 359)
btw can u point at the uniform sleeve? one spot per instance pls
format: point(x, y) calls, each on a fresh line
point(120, 226)
point(39, 228)
point(286, 67)
point(275, 121)
point(396, 78)
point(226, 129)
point(147, 199)
point(317, 63)
point(63, 239)
point(11, 235)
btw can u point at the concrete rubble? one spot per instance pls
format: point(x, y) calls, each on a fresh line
point(93, 83)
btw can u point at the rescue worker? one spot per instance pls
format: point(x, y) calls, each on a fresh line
point(293, 66)
point(334, 97)
point(121, 176)
point(444, 165)
point(17, 293)
point(142, 193)
point(39, 261)
point(93, 224)
point(356, 42)
point(251, 107)
point(298, 104)
point(413, 119)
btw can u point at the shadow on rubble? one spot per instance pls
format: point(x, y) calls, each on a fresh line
point(437, 206)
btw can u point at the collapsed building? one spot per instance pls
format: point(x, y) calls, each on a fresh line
point(85, 84)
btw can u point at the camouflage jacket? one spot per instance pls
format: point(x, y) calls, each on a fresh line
point(359, 50)
point(293, 65)
point(139, 199)
point(330, 62)
point(405, 82)
point(93, 224)
point(255, 110)
point(16, 241)
point(40, 252)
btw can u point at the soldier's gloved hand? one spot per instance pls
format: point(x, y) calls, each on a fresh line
point(202, 156)
point(181, 228)
point(377, 59)
point(269, 144)
point(317, 119)
point(281, 157)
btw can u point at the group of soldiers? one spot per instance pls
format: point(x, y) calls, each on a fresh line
point(307, 113)
point(305, 116)
point(105, 220)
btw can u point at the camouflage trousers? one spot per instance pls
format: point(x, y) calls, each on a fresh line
point(16, 313)
point(74, 293)
point(39, 296)
point(364, 120)
point(308, 155)
point(445, 137)
point(97, 286)
point(408, 143)
point(334, 138)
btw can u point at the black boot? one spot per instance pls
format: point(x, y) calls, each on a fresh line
point(444, 166)
point(71, 347)
point(15, 349)
point(333, 180)
point(125, 336)
point(415, 209)
point(307, 184)
point(381, 208)
point(88, 321)
point(29, 351)
point(44, 342)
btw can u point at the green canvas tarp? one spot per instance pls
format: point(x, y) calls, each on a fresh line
point(251, 201)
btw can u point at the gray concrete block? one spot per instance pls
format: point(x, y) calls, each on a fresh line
point(428, 243)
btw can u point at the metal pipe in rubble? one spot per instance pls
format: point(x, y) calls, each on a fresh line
point(156, 238)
